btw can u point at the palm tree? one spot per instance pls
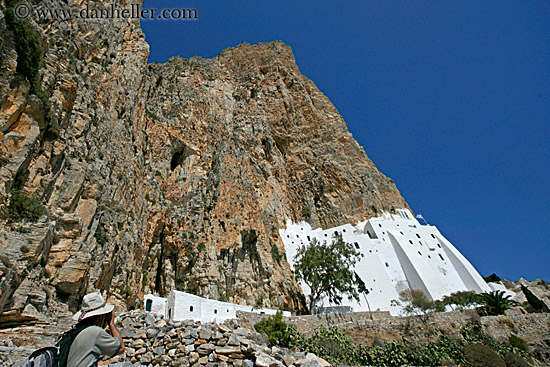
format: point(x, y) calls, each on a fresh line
point(495, 303)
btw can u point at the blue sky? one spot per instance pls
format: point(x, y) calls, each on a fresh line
point(449, 99)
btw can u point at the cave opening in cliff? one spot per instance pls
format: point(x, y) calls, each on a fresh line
point(179, 156)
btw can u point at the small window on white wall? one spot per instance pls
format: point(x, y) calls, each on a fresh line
point(356, 245)
point(441, 257)
point(387, 265)
point(190, 308)
point(215, 312)
point(433, 235)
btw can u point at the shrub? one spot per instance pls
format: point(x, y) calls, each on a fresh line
point(536, 304)
point(517, 342)
point(461, 299)
point(482, 355)
point(28, 46)
point(201, 247)
point(101, 235)
point(495, 303)
point(278, 332)
point(23, 206)
point(275, 254)
point(493, 278)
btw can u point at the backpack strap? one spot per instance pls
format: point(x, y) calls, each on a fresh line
point(64, 345)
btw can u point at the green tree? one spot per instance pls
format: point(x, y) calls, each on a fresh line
point(417, 303)
point(495, 303)
point(327, 270)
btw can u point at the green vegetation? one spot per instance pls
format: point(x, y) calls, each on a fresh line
point(335, 346)
point(493, 278)
point(28, 46)
point(461, 300)
point(326, 269)
point(534, 302)
point(494, 303)
point(23, 206)
point(277, 331)
point(517, 342)
point(201, 247)
point(306, 212)
point(374, 209)
point(101, 235)
point(276, 254)
point(260, 301)
point(417, 303)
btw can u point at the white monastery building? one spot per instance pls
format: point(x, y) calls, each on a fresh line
point(399, 254)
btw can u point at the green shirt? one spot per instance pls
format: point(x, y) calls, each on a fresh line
point(91, 343)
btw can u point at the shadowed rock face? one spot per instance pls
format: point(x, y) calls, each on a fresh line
point(169, 176)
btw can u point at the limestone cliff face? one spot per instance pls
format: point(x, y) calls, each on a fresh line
point(172, 176)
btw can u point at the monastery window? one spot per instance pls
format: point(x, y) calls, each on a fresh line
point(215, 312)
point(383, 232)
point(401, 233)
point(370, 251)
point(301, 229)
point(343, 230)
point(309, 239)
point(387, 265)
point(433, 235)
point(148, 305)
point(190, 308)
point(429, 257)
point(420, 253)
point(371, 236)
point(379, 225)
point(325, 234)
point(438, 245)
point(420, 242)
point(417, 235)
point(441, 257)
point(297, 236)
point(227, 310)
point(287, 236)
point(411, 242)
point(356, 245)
point(336, 233)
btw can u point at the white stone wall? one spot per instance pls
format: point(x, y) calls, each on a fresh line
point(399, 253)
point(158, 304)
point(184, 306)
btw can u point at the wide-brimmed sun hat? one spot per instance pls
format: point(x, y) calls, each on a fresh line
point(93, 304)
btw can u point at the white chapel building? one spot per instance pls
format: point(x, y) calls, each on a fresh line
point(399, 254)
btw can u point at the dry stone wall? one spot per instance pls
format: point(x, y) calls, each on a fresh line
point(152, 341)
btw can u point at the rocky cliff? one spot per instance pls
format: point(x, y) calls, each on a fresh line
point(164, 176)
